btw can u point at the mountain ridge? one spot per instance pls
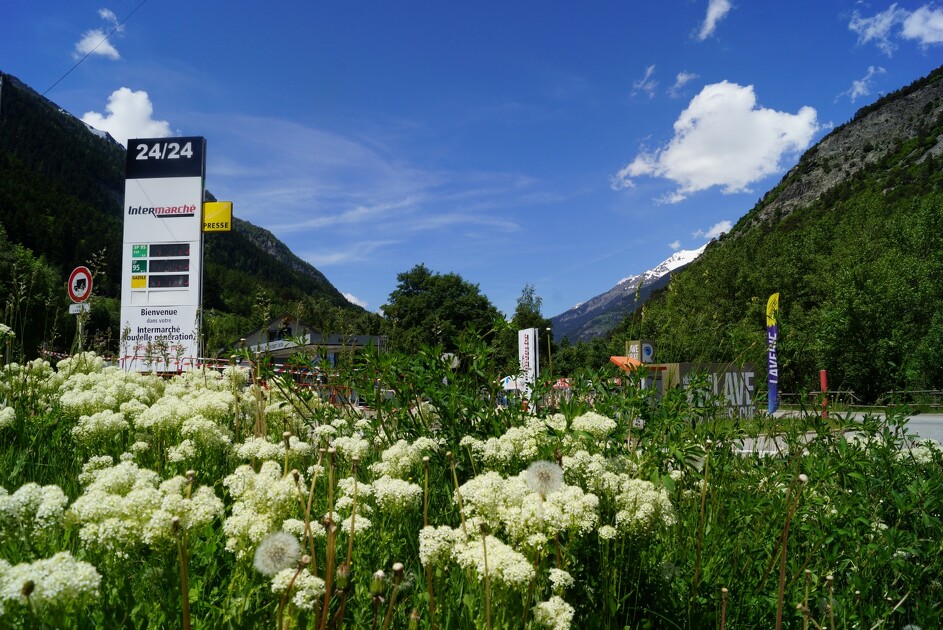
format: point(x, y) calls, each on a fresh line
point(598, 315)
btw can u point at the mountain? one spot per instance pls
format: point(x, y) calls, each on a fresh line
point(61, 205)
point(598, 315)
point(852, 240)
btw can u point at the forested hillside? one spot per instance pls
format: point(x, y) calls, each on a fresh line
point(61, 195)
point(852, 239)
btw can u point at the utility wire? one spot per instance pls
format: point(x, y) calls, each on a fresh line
point(105, 39)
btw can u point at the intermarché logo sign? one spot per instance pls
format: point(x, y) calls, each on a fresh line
point(186, 210)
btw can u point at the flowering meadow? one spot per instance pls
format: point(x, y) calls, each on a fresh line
point(240, 498)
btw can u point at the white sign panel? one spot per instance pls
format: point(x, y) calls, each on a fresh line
point(527, 353)
point(161, 271)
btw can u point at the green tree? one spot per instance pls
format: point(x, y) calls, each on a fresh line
point(428, 308)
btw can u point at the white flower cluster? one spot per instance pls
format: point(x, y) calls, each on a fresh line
point(307, 589)
point(400, 459)
point(282, 414)
point(103, 426)
point(59, 582)
point(212, 405)
point(7, 417)
point(164, 417)
point(35, 380)
point(528, 518)
point(193, 513)
point(554, 614)
point(517, 445)
point(597, 425)
point(30, 510)
point(234, 375)
point(352, 446)
point(124, 506)
point(560, 580)
point(106, 389)
point(262, 502)
point(395, 495)
point(922, 452)
point(642, 507)
point(261, 448)
point(505, 565)
point(344, 505)
point(597, 473)
point(205, 433)
point(82, 363)
point(436, 543)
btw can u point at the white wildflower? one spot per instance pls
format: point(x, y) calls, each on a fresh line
point(307, 589)
point(395, 495)
point(7, 417)
point(436, 543)
point(402, 457)
point(607, 532)
point(31, 509)
point(505, 565)
point(183, 452)
point(58, 582)
point(597, 425)
point(560, 580)
point(261, 502)
point(554, 614)
point(350, 447)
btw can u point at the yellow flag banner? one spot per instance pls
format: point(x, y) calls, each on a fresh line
point(772, 361)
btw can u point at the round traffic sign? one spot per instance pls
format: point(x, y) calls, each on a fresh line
point(80, 284)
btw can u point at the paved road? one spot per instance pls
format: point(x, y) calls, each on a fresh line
point(927, 425)
point(920, 426)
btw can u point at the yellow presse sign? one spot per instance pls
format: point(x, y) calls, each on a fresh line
point(217, 216)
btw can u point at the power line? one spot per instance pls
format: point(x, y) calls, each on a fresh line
point(105, 39)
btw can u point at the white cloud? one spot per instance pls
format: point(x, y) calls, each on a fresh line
point(129, 116)
point(723, 139)
point(353, 299)
point(646, 84)
point(346, 253)
point(878, 28)
point(862, 87)
point(675, 246)
point(96, 41)
point(924, 25)
point(681, 80)
point(716, 10)
point(714, 231)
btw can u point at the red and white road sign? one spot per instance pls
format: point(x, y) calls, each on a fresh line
point(80, 284)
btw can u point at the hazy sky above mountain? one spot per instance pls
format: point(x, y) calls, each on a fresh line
point(564, 145)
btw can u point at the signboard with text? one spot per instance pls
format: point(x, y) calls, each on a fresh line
point(217, 216)
point(161, 269)
point(527, 354)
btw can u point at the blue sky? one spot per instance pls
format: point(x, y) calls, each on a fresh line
point(564, 145)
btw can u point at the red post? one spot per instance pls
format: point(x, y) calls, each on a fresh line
point(823, 385)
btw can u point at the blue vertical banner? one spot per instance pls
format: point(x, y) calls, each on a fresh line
point(772, 361)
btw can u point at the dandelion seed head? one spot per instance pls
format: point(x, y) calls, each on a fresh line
point(544, 477)
point(277, 552)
